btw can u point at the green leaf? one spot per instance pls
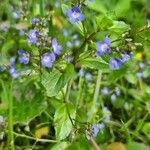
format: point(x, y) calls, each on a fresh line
point(62, 146)
point(63, 124)
point(136, 146)
point(117, 74)
point(98, 5)
point(104, 23)
point(55, 80)
point(64, 8)
point(94, 63)
point(27, 109)
point(131, 78)
point(119, 27)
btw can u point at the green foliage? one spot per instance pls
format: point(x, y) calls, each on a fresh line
point(63, 120)
point(55, 80)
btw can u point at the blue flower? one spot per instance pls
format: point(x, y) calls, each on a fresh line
point(47, 59)
point(69, 44)
point(113, 97)
point(81, 73)
point(56, 47)
point(24, 57)
point(34, 21)
point(12, 61)
point(33, 36)
point(105, 91)
point(75, 15)
point(88, 77)
point(103, 47)
point(125, 58)
point(65, 32)
point(96, 128)
point(141, 65)
point(13, 72)
point(115, 63)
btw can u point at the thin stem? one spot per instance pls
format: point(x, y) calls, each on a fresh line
point(68, 91)
point(10, 120)
point(80, 87)
point(96, 94)
point(33, 138)
point(95, 145)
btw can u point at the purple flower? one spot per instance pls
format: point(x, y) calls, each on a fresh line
point(24, 57)
point(105, 91)
point(56, 47)
point(115, 63)
point(65, 32)
point(69, 44)
point(113, 97)
point(13, 72)
point(12, 61)
point(88, 77)
point(34, 21)
point(139, 74)
point(91, 1)
point(75, 15)
point(141, 65)
point(96, 128)
point(103, 47)
point(57, 4)
point(125, 58)
point(81, 73)
point(33, 36)
point(47, 59)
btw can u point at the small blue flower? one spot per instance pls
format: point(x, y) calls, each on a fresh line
point(91, 1)
point(12, 61)
point(56, 47)
point(69, 44)
point(35, 21)
point(33, 36)
point(21, 32)
point(24, 57)
point(103, 47)
point(96, 128)
point(57, 4)
point(125, 58)
point(13, 72)
point(105, 91)
point(75, 15)
point(65, 32)
point(139, 74)
point(141, 65)
point(88, 77)
point(47, 59)
point(113, 97)
point(115, 63)
point(81, 73)
point(77, 43)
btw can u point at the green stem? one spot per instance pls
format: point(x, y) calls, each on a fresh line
point(10, 120)
point(80, 87)
point(96, 94)
point(33, 138)
point(42, 8)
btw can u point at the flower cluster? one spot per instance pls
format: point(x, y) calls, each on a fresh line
point(105, 48)
point(75, 15)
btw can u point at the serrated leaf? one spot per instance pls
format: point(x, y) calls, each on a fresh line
point(27, 109)
point(63, 124)
point(55, 80)
point(119, 27)
point(94, 63)
point(104, 23)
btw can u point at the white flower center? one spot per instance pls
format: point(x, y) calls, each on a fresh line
point(75, 14)
point(104, 47)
